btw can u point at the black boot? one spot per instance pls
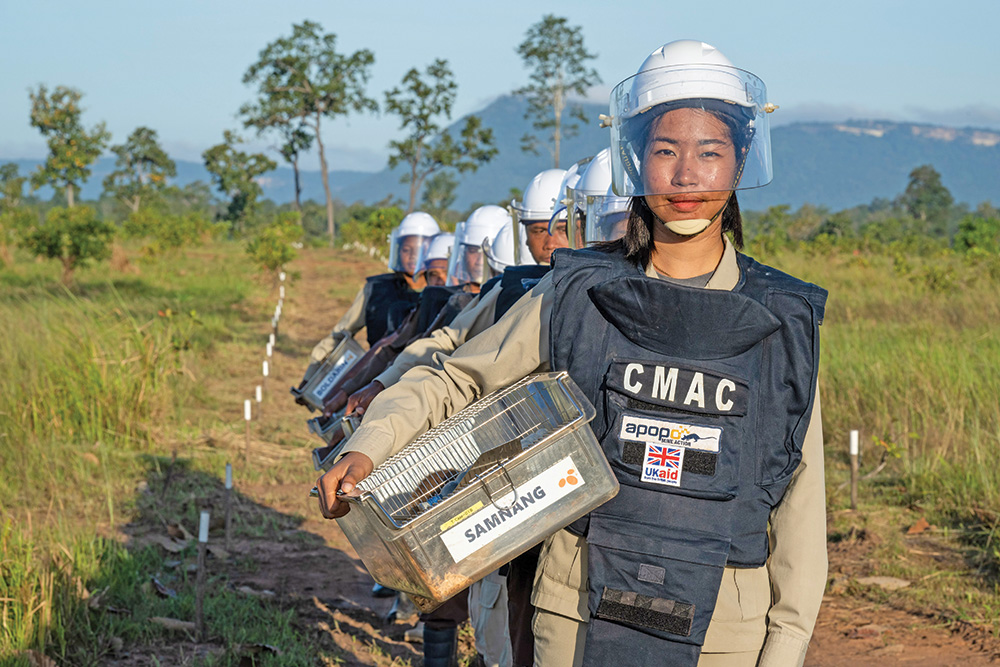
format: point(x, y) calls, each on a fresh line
point(440, 646)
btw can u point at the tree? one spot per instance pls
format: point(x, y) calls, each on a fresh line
point(556, 56)
point(72, 149)
point(927, 200)
point(421, 105)
point(142, 169)
point(74, 236)
point(11, 187)
point(979, 235)
point(271, 115)
point(234, 172)
point(439, 194)
point(271, 248)
point(303, 77)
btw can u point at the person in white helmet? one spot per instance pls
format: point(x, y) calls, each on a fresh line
point(702, 365)
point(535, 210)
point(607, 217)
point(433, 263)
point(380, 304)
point(468, 265)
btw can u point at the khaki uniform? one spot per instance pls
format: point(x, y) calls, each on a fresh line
point(773, 607)
point(351, 323)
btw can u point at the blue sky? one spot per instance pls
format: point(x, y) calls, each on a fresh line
point(177, 66)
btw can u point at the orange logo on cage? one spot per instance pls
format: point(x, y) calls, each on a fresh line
point(570, 479)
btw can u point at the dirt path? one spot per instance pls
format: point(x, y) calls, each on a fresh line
point(317, 571)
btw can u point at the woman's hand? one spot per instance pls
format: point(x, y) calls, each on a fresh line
point(343, 476)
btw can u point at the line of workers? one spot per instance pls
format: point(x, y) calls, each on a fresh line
point(443, 289)
point(625, 273)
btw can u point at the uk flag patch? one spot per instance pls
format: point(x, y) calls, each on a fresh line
point(663, 464)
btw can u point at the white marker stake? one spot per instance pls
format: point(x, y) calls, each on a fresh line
point(246, 416)
point(199, 619)
point(270, 339)
point(270, 349)
point(281, 292)
point(282, 276)
point(855, 453)
point(229, 502)
point(258, 394)
point(265, 368)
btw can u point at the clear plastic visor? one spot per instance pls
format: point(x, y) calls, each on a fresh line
point(607, 218)
point(568, 219)
point(405, 251)
point(468, 265)
point(688, 131)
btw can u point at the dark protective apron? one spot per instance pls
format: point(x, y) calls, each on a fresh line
point(703, 399)
point(388, 298)
point(515, 282)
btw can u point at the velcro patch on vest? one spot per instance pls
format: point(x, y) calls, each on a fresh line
point(680, 387)
point(695, 462)
point(646, 612)
point(664, 432)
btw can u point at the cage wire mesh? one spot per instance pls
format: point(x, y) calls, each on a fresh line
point(515, 419)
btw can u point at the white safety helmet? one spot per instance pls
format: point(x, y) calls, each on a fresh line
point(467, 258)
point(409, 240)
point(439, 248)
point(500, 251)
point(539, 200)
point(566, 190)
point(689, 74)
point(607, 217)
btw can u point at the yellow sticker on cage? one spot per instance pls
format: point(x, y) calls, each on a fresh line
point(462, 515)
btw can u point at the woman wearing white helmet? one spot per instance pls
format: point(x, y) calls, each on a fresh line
point(702, 365)
point(382, 301)
point(432, 264)
point(607, 217)
point(468, 266)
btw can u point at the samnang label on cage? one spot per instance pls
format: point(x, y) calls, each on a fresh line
point(511, 510)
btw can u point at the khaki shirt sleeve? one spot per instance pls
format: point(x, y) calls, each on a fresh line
point(352, 322)
point(511, 349)
point(798, 561)
point(475, 318)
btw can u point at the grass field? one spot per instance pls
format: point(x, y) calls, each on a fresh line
point(104, 382)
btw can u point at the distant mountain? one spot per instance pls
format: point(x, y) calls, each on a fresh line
point(837, 165)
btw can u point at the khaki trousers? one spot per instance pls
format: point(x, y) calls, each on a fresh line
point(559, 642)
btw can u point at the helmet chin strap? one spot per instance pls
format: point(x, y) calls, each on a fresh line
point(695, 226)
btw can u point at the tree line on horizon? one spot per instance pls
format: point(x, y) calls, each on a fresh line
point(300, 81)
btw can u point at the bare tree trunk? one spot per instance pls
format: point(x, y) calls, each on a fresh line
point(298, 187)
point(557, 108)
point(326, 185)
point(414, 187)
point(68, 265)
point(69, 195)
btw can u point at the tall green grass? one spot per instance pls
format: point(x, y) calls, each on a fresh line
point(911, 358)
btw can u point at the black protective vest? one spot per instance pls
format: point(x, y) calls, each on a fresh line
point(515, 282)
point(703, 399)
point(388, 298)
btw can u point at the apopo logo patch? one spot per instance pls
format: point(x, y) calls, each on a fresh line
point(676, 434)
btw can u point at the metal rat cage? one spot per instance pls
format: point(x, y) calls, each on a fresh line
point(479, 489)
point(330, 371)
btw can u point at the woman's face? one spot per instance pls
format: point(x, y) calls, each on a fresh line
point(690, 162)
point(409, 250)
point(436, 270)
